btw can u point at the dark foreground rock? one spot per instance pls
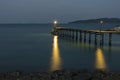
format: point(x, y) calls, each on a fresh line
point(62, 75)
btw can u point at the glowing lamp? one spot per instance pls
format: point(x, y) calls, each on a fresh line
point(55, 22)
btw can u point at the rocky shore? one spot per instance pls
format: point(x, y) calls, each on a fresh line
point(62, 75)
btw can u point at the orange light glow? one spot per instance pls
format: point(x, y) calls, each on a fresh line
point(55, 59)
point(100, 60)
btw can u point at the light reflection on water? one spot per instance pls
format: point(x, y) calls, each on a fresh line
point(100, 60)
point(55, 59)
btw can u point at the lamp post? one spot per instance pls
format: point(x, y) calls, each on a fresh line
point(102, 35)
point(101, 22)
point(55, 23)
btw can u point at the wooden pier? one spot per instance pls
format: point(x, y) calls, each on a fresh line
point(85, 35)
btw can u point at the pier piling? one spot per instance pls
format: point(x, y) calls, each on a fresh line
point(89, 37)
point(84, 36)
point(95, 41)
point(80, 36)
point(110, 39)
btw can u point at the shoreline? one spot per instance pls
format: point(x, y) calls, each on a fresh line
point(83, 74)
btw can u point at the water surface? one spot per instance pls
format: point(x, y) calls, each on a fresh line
point(31, 48)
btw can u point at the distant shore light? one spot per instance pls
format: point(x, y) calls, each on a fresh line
point(55, 22)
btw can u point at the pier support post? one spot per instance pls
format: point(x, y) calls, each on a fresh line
point(69, 34)
point(60, 33)
point(103, 39)
point(89, 37)
point(95, 39)
point(72, 34)
point(84, 36)
point(76, 35)
point(80, 36)
point(63, 33)
point(110, 39)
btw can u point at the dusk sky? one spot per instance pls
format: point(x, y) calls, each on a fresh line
point(45, 11)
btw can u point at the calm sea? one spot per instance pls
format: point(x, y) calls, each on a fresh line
point(31, 48)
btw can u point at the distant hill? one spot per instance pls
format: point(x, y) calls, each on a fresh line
point(105, 20)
